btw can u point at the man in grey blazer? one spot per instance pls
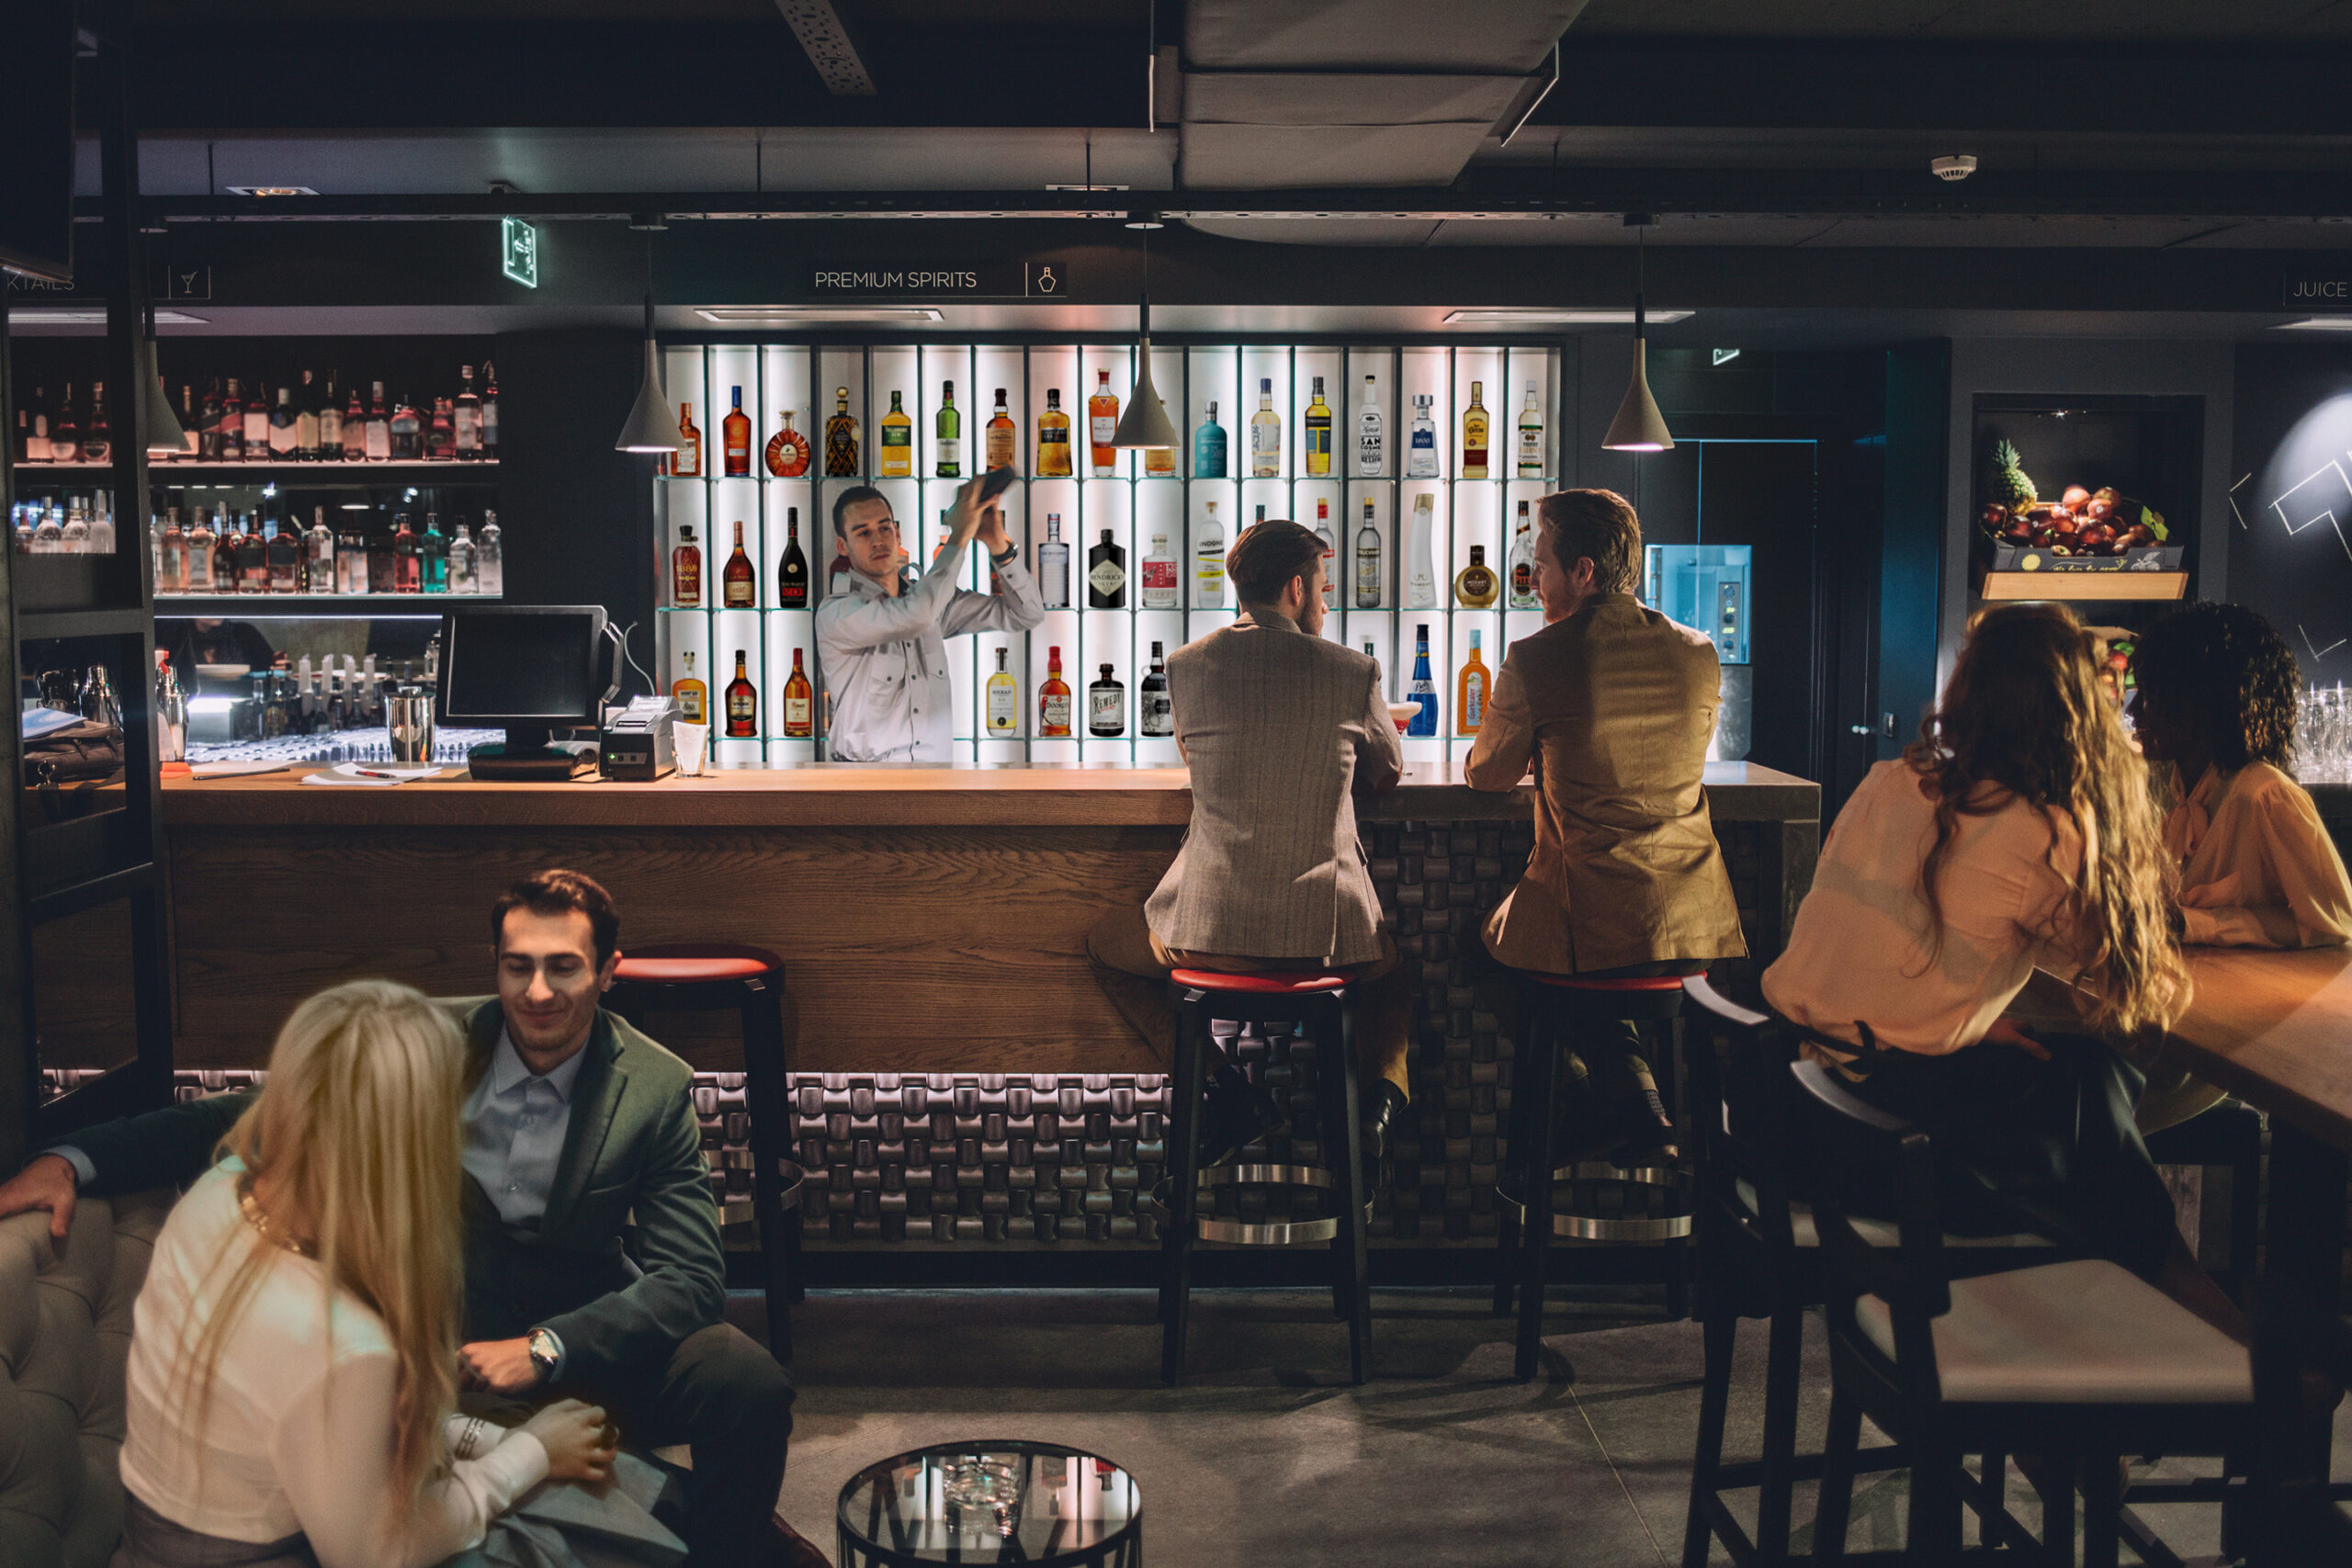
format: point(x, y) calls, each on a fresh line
point(1281, 728)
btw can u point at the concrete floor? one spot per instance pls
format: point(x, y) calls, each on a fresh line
point(1267, 1456)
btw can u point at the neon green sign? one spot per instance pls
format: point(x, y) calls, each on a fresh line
point(520, 259)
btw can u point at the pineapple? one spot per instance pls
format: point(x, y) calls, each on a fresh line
point(2013, 479)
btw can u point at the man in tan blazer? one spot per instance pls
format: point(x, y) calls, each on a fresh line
point(1614, 704)
point(1281, 728)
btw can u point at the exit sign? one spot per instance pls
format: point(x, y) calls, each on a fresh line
point(520, 259)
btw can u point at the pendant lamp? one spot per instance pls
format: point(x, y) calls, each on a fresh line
point(1144, 421)
point(652, 424)
point(1638, 427)
point(165, 436)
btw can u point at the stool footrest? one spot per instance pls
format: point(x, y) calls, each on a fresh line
point(1268, 1175)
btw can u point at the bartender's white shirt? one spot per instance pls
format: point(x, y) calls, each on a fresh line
point(886, 658)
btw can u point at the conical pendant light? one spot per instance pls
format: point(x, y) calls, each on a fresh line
point(652, 424)
point(165, 436)
point(1638, 427)
point(1144, 421)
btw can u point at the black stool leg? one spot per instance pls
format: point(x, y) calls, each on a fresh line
point(1525, 1085)
point(1778, 1480)
point(1837, 1460)
point(767, 1089)
point(1681, 1251)
point(1349, 1256)
point(1184, 1174)
point(1535, 1189)
point(1720, 1330)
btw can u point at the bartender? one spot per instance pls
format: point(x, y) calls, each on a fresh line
point(882, 633)
point(216, 642)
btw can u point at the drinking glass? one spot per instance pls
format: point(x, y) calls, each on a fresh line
point(989, 1482)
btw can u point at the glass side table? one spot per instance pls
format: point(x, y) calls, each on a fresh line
point(992, 1501)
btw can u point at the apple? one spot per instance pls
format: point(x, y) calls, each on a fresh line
point(1997, 516)
point(2065, 525)
point(2098, 508)
point(2074, 497)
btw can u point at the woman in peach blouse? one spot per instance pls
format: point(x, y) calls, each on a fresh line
point(2216, 715)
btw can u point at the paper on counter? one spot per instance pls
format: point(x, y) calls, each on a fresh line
point(349, 779)
point(234, 770)
point(368, 774)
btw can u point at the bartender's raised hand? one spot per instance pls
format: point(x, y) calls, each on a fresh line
point(964, 518)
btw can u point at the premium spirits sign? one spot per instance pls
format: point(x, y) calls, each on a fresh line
point(985, 280)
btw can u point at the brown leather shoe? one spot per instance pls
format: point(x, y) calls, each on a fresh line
point(790, 1549)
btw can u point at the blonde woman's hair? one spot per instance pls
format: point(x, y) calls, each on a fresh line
point(358, 1126)
point(2025, 712)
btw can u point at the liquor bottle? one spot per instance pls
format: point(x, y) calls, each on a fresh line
point(1159, 715)
point(1102, 425)
point(406, 432)
point(947, 435)
point(799, 704)
point(383, 569)
point(379, 427)
point(1423, 690)
point(1420, 455)
point(686, 462)
point(102, 533)
point(253, 557)
point(65, 431)
point(1474, 585)
point(490, 558)
point(1531, 438)
point(488, 412)
point(354, 429)
point(285, 428)
point(48, 537)
point(1474, 434)
point(685, 571)
point(1052, 698)
point(171, 562)
point(465, 562)
point(1372, 434)
point(1522, 563)
point(898, 442)
point(1318, 424)
point(433, 556)
point(1471, 684)
point(306, 421)
point(198, 578)
point(441, 432)
point(1208, 563)
point(1265, 434)
point(1421, 575)
point(841, 439)
point(1330, 549)
point(1053, 438)
point(282, 557)
point(229, 424)
point(1106, 708)
point(1106, 575)
point(326, 445)
point(1001, 435)
point(1002, 710)
point(788, 454)
point(1053, 566)
point(735, 439)
point(36, 448)
point(743, 704)
point(1370, 578)
point(792, 569)
point(256, 423)
point(317, 554)
point(1159, 575)
point(736, 590)
point(1209, 447)
point(691, 694)
point(97, 442)
point(465, 419)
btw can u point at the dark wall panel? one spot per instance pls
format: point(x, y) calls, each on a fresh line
point(2291, 498)
point(1918, 391)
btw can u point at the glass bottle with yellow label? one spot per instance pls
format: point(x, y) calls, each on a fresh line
point(1471, 684)
point(841, 439)
point(799, 705)
point(898, 442)
point(691, 695)
point(1053, 438)
point(1474, 434)
point(1318, 426)
point(1003, 700)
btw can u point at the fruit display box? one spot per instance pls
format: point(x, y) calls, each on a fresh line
point(2033, 558)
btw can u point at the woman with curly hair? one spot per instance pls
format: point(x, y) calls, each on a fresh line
point(2017, 831)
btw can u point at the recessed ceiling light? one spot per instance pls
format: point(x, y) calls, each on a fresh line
point(1539, 317)
point(2308, 324)
point(60, 318)
point(786, 315)
point(271, 190)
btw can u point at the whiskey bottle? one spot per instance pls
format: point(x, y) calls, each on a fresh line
point(285, 428)
point(354, 429)
point(282, 556)
point(97, 442)
point(466, 419)
point(406, 432)
point(1158, 717)
point(1318, 425)
point(1102, 425)
point(198, 578)
point(1372, 436)
point(1522, 563)
point(488, 412)
point(1002, 712)
point(1159, 575)
point(735, 439)
point(441, 432)
point(743, 704)
point(171, 560)
point(1053, 566)
point(685, 571)
point(433, 556)
point(379, 427)
point(686, 462)
point(1002, 436)
point(841, 439)
point(787, 454)
point(1474, 434)
point(1421, 454)
point(1470, 687)
point(1208, 562)
point(1370, 576)
point(1052, 698)
point(691, 694)
point(253, 557)
point(1423, 690)
point(1209, 447)
point(306, 421)
point(490, 557)
point(229, 426)
point(799, 704)
point(1331, 549)
point(1106, 575)
point(898, 442)
point(735, 578)
point(1053, 438)
point(256, 423)
point(947, 435)
point(1531, 438)
point(206, 426)
point(1265, 434)
point(1474, 585)
point(1106, 708)
point(792, 570)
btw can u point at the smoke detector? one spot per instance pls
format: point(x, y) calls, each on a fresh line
point(1959, 167)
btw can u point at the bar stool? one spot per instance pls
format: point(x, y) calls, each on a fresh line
point(1557, 1010)
point(720, 977)
point(1319, 1001)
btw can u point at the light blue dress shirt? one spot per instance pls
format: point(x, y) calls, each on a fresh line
point(515, 1125)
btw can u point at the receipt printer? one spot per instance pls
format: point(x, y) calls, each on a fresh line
point(635, 743)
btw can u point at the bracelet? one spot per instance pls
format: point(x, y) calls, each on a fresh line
point(470, 1443)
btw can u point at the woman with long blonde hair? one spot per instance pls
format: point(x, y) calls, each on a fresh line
point(294, 1349)
point(2017, 831)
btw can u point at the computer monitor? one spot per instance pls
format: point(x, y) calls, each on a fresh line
point(530, 669)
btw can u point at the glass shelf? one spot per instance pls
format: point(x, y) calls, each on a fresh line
point(313, 606)
point(160, 473)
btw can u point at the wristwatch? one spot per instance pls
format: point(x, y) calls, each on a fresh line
point(546, 1353)
point(1011, 554)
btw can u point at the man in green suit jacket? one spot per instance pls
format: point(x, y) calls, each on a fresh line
point(576, 1124)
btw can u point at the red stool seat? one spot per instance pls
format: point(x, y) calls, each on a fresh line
point(689, 962)
point(1266, 982)
point(1619, 982)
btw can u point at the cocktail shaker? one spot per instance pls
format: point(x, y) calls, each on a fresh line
point(408, 714)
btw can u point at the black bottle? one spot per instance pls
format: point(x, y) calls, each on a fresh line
point(1106, 708)
point(792, 572)
point(1106, 576)
point(1158, 717)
